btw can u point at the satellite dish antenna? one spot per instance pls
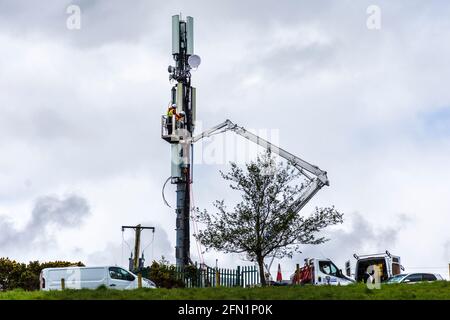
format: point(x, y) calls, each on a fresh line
point(194, 61)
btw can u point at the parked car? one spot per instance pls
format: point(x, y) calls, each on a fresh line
point(90, 278)
point(414, 278)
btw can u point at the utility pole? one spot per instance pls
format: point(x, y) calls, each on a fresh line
point(136, 262)
point(178, 126)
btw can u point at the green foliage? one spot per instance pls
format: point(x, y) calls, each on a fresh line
point(265, 223)
point(14, 275)
point(10, 273)
point(421, 291)
point(163, 274)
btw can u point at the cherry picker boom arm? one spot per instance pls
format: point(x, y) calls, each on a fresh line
point(317, 177)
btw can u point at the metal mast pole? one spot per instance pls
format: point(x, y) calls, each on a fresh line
point(178, 130)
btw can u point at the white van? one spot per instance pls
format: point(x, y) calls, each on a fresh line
point(317, 271)
point(90, 278)
point(389, 265)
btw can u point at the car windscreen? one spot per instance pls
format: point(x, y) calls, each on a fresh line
point(120, 274)
point(328, 267)
point(396, 279)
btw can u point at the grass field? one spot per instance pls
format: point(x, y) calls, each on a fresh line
point(436, 290)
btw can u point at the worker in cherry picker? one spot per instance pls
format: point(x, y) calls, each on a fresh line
point(171, 111)
point(179, 118)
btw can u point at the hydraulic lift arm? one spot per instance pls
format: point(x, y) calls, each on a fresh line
point(317, 177)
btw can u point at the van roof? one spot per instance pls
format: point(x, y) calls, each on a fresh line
point(77, 267)
point(375, 255)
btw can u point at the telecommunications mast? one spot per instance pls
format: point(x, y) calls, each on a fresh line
point(177, 127)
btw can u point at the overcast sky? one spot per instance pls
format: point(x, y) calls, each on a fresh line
point(80, 145)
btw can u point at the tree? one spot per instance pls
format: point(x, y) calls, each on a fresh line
point(163, 274)
point(262, 224)
point(10, 273)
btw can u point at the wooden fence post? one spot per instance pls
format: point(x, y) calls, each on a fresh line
point(297, 274)
point(63, 284)
point(217, 278)
point(139, 280)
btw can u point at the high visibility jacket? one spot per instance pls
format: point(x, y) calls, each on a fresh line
point(171, 111)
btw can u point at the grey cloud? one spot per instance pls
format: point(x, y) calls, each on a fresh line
point(63, 212)
point(49, 211)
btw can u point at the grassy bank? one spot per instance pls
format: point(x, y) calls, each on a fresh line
point(436, 290)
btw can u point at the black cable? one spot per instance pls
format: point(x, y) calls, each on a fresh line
point(162, 192)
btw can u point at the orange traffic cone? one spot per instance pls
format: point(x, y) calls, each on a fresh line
point(279, 276)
